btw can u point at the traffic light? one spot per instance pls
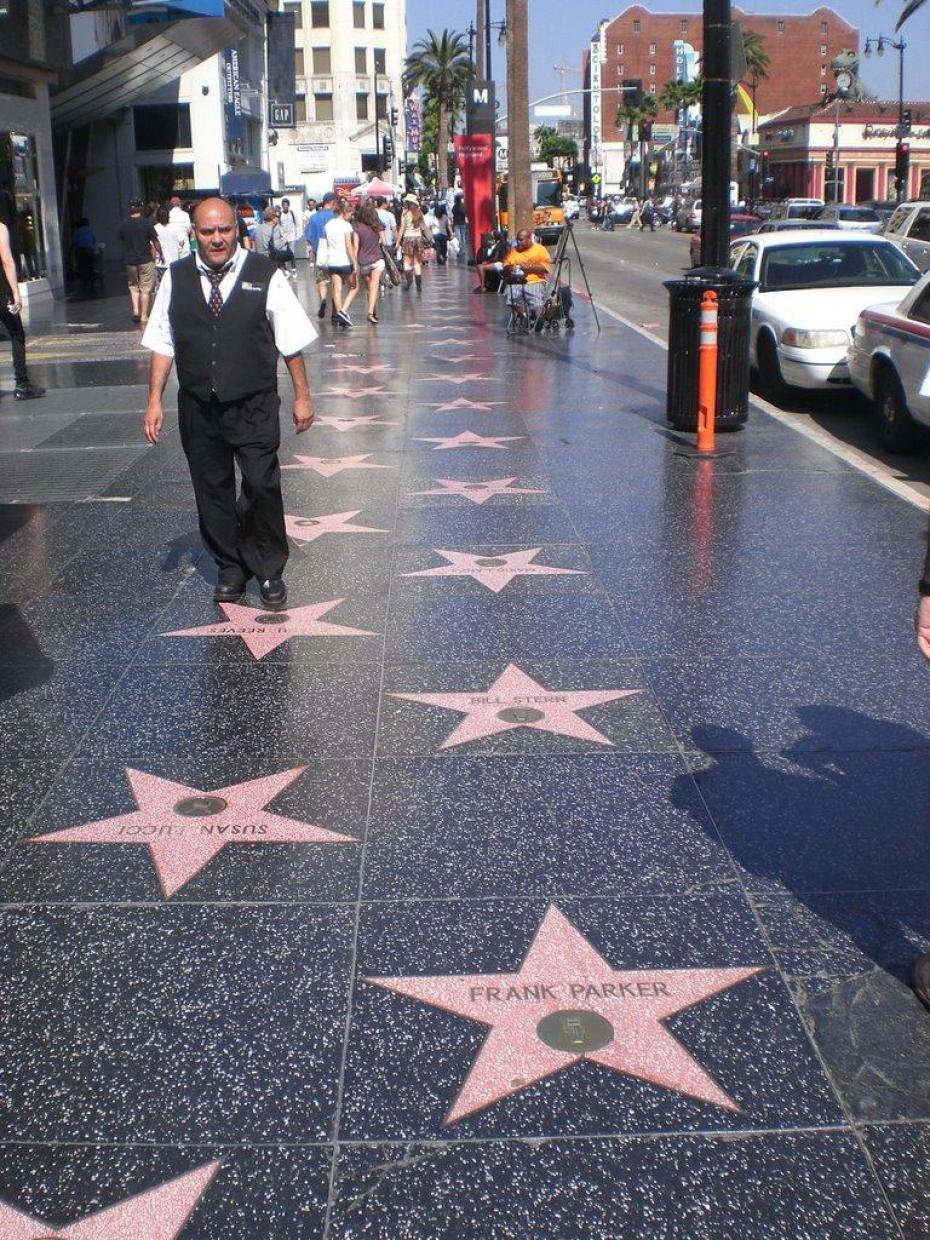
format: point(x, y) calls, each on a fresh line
point(387, 147)
point(906, 120)
point(902, 163)
point(394, 117)
point(828, 160)
point(632, 92)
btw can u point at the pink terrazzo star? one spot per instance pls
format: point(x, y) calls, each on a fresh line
point(565, 1004)
point(354, 393)
point(305, 530)
point(184, 828)
point(516, 700)
point(264, 631)
point(352, 424)
point(462, 357)
point(330, 465)
point(478, 492)
point(156, 1214)
point(468, 439)
point(457, 379)
point(494, 571)
point(461, 403)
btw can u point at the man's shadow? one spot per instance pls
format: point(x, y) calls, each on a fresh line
point(831, 843)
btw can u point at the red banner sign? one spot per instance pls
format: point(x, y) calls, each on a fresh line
point(474, 154)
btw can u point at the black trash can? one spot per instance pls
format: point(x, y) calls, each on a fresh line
point(734, 299)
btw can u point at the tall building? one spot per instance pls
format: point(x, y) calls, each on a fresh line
point(651, 47)
point(350, 59)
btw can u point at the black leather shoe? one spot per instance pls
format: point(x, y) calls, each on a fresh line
point(230, 586)
point(27, 391)
point(273, 592)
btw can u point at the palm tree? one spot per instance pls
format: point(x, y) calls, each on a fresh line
point(757, 58)
point(908, 11)
point(439, 63)
point(633, 114)
point(674, 96)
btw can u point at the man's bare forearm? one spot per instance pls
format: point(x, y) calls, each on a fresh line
point(159, 370)
point(298, 373)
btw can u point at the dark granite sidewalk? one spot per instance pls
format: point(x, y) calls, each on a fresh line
point(586, 787)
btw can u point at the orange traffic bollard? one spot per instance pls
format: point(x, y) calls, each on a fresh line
point(707, 373)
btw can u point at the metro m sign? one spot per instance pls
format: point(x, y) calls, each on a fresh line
point(480, 109)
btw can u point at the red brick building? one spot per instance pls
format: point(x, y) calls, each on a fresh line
point(638, 44)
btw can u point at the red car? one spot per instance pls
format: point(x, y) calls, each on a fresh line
point(740, 226)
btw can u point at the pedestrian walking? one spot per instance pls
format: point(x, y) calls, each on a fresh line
point(342, 261)
point(140, 249)
point(180, 221)
point(368, 231)
point(264, 231)
point(288, 234)
point(460, 224)
point(227, 348)
point(413, 238)
point(442, 231)
point(647, 216)
point(315, 237)
point(635, 220)
point(11, 307)
point(169, 241)
point(84, 244)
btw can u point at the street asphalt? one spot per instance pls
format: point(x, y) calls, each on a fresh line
point(626, 270)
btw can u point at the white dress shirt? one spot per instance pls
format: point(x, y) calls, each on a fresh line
point(293, 331)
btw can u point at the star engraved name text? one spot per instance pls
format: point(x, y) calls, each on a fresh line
point(517, 699)
point(574, 990)
point(148, 829)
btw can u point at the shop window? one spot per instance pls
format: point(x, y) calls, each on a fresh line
point(19, 172)
point(361, 60)
point(323, 107)
point(162, 126)
point(322, 61)
point(319, 13)
point(380, 60)
point(358, 15)
point(300, 109)
point(377, 16)
point(298, 62)
point(361, 107)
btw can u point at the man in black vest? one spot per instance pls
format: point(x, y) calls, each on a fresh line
point(224, 314)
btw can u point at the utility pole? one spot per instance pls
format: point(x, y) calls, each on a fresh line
point(519, 185)
point(716, 139)
point(374, 80)
point(481, 68)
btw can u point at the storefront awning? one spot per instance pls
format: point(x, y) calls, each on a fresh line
point(152, 55)
point(244, 182)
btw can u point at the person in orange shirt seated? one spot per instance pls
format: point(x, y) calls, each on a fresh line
point(526, 269)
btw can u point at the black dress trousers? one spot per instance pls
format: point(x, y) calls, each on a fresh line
point(216, 436)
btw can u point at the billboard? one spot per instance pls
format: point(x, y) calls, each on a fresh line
point(412, 123)
point(282, 83)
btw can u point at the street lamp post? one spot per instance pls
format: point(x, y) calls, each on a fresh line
point(879, 45)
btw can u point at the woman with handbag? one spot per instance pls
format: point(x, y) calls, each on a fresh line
point(368, 230)
point(413, 237)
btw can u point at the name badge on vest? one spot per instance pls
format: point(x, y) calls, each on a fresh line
point(251, 288)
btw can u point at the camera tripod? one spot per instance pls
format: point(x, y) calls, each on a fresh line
point(561, 258)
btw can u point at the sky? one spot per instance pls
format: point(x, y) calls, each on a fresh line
point(559, 31)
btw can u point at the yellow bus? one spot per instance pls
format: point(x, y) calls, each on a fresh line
point(548, 212)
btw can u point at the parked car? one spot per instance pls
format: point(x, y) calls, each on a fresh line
point(909, 228)
point(784, 225)
point(889, 361)
point(740, 226)
point(796, 208)
point(689, 216)
point(811, 286)
point(885, 207)
point(849, 217)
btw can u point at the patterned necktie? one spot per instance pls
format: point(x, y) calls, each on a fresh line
point(216, 278)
